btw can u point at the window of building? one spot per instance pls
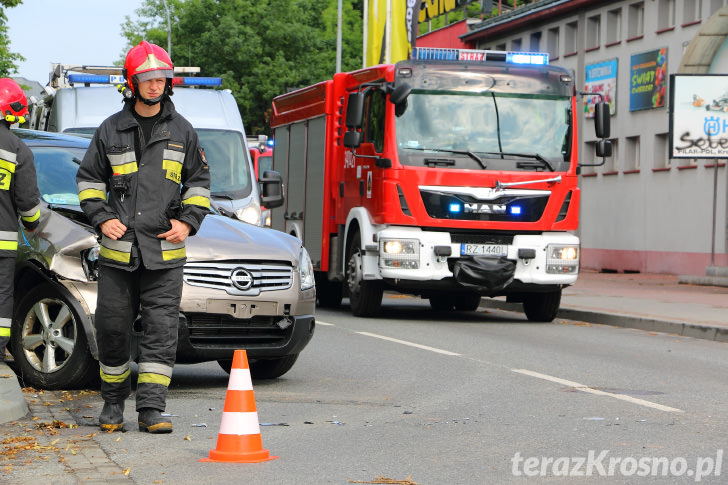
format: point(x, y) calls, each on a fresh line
point(636, 22)
point(593, 30)
point(589, 157)
point(631, 154)
point(374, 128)
point(552, 42)
point(535, 42)
point(665, 15)
point(614, 26)
point(516, 45)
point(691, 11)
point(571, 31)
point(500, 47)
point(661, 159)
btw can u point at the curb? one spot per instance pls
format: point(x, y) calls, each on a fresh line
point(685, 329)
point(12, 401)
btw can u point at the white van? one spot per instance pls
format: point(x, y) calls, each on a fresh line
point(78, 103)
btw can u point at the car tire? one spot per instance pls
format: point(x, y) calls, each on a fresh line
point(49, 343)
point(264, 368)
point(542, 307)
point(365, 296)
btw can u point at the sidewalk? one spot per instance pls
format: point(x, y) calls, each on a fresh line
point(652, 302)
point(655, 303)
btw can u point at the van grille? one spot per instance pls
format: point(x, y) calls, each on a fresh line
point(243, 278)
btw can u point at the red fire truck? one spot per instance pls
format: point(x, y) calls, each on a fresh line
point(452, 176)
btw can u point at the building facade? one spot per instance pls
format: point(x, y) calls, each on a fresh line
point(642, 211)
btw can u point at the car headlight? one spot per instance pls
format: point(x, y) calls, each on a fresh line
point(250, 214)
point(399, 253)
point(90, 263)
point(562, 259)
point(305, 270)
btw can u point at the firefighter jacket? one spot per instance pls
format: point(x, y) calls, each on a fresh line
point(19, 193)
point(171, 180)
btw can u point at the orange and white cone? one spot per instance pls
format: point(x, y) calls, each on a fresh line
point(239, 438)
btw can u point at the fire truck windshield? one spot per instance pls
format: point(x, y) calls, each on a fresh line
point(493, 131)
point(225, 152)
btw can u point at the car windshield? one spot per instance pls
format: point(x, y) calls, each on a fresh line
point(484, 131)
point(226, 153)
point(56, 169)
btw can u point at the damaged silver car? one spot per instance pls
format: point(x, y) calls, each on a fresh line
point(245, 287)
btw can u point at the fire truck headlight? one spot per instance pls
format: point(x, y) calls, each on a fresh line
point(562, 259)
point(305, 270)
point(250, 214)
point(399, 253)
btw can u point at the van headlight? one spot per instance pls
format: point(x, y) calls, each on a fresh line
point(562, 259)
point(250, 214)
point(399, 253)
point(305, 270)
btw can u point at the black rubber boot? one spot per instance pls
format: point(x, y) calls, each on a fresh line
point(112, 416)
point(152, 421)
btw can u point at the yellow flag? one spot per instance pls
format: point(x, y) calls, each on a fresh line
point(402, 29)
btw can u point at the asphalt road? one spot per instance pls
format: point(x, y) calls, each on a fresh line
point(469, 398)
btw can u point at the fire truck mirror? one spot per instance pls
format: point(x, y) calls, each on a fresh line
point(399, 94)
point(352, 139)
point(272, 193)
point(601, 120)
point(354, 110)
point(604, 148)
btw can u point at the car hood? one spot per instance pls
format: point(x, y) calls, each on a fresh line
point(59, 240)
point(222, 238)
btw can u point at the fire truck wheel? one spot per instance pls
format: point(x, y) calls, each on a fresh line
point(441, 303)
point(542, 307)
point(467, 302)
point(328, 293)
point(365, 296)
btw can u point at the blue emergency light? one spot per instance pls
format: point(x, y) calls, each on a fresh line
point(475, 55)
point(515, 210)
point(103, 79)
point(455, 207)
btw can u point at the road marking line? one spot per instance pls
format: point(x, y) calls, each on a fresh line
point(582, 387)
point(411, 344)
point(319, 322)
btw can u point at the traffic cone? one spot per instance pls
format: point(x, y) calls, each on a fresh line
point(239, 438)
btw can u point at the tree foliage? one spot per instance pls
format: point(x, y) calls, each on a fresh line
point(261, 48)
point(8, 60)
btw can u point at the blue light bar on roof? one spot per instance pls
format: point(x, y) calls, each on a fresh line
point(102, 79)
point(445, 54)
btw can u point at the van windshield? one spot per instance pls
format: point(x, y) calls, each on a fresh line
point(225, 152)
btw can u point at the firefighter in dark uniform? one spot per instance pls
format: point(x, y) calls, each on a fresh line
point(145, 185)
point(18, 196)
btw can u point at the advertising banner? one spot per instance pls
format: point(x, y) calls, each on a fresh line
point(648, 76)
point(698, 116)
point(601, 78)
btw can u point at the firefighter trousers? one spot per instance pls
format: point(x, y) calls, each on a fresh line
point(122, 295)
point(7, 272)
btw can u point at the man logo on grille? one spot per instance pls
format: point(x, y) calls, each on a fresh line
point(242, 278)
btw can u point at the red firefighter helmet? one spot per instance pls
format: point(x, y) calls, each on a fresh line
point(147, 61)
point(13, 103)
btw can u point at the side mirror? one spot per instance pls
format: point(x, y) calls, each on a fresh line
point(352, 139)
point(272, 193)
point(354, 110)
point(399, 94)
point(604, 148)
point(601, 120)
